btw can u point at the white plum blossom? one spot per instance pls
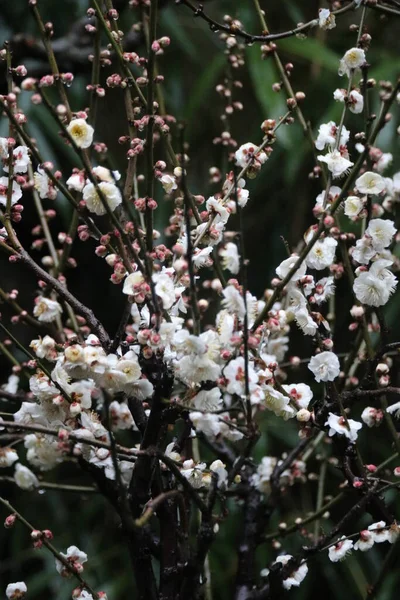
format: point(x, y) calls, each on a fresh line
point(21, 160)
point(218, 467)
point(25, 478)
point(16, 192)
point(296, 576)
point(371, 416)
point(234, 373)
point(327, 133)
point(322, 254)
point(353, 59)
point(43, 184)
point(249, 154)
point(336, 163)
point(355, 102)
point(326, 19)
point(8, 456)
point(325, 366)
point(370, 183)
point(381, 232)
point(300, 393)
point(230, 258)
point(75, 557)
point(353, 206)
point(379, 531)
point(278, 403)
point(218, 210)
point(105, 174)
point(164, 288)
point(81, 132)
point(342, 426)
point(284, 268)
point(168, 182)
point(340, 549)
point(76, 182)
point(209, 400)
point(374, 287)
point(385, 160)
point(108, 192)
point(233, 301)
point(16, 591)
point(133, 283)
point(46, 310)
point(365, 541)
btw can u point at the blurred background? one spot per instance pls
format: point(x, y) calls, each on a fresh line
point(281, 200)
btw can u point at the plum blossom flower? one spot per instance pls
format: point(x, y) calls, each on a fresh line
point(21, 160)
point(322, 254)
point(25, 478)
point(230, 258)
point(233, 301)
point(164, 288)
point(285, 266)
point(325, 366)
point(43, 184)
point(8, 456)
point(326, 19)
point(300, 393)
point(381, 232)
point(109, 191)
point(356, 102)
point(340, 425)
point(336, 163)
point(353, 59)
point(16, 591)
point(46, 310)
point(365, 541)
point(234, 373)
point(297, 575)
point(327, 133)
point(75, 557)
point(76, 182)
point(340, 549)
point(353, 206)
point(372, 416)
point(133, 283)
point(168, 182)
point(209, 400)
point(370, 183)
point(81, 132)
point(249, 154)
point(379, 531)
point(374, 287)
point(16, 192)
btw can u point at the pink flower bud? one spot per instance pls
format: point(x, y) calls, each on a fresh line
point(9, 521)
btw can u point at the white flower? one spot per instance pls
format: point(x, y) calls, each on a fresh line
point(394, 408)
point(206, 423)
point(375, 286)
point(327, 133)
point(339, 425)
point(81, 132)
point(365, 542)
point(353, 59)
point(234, 373)
point(133, 283)
point(168, 182)
point(336, 163)
point(230, 258)
point(12, 384)
point(379, 531)
point(209, 400)
point(233, 301)
point(353, 206)
point(306, 322)
point(287, 265)
point(218, 467)
point(216, 208)
point(110, 193)
point(381, 231)
point(370, 183)
point(324, 288)
point(364, 250)
point(356, 102)
point(195, 369)
point(322, 254)
point(325, 366)
point(299, 392)
point(76, 182)
point(121, 415)
point(278, 403)
point(249, 153)
point(21, 160)
point(339, 95)
point(25, 478)
point(46, 310)
point(43, 184)
point(15, 591)
point(193, 472)
point(297, 575)
point(385, 160)
point(8, 456)
point(74, 556)
point(371, 416)
point(105, 174)
point(326, 19)
point(16, 193)
point(201, 258)
point(340, 549)
point(164, 288)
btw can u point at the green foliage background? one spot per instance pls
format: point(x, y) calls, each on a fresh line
point(281, 201)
